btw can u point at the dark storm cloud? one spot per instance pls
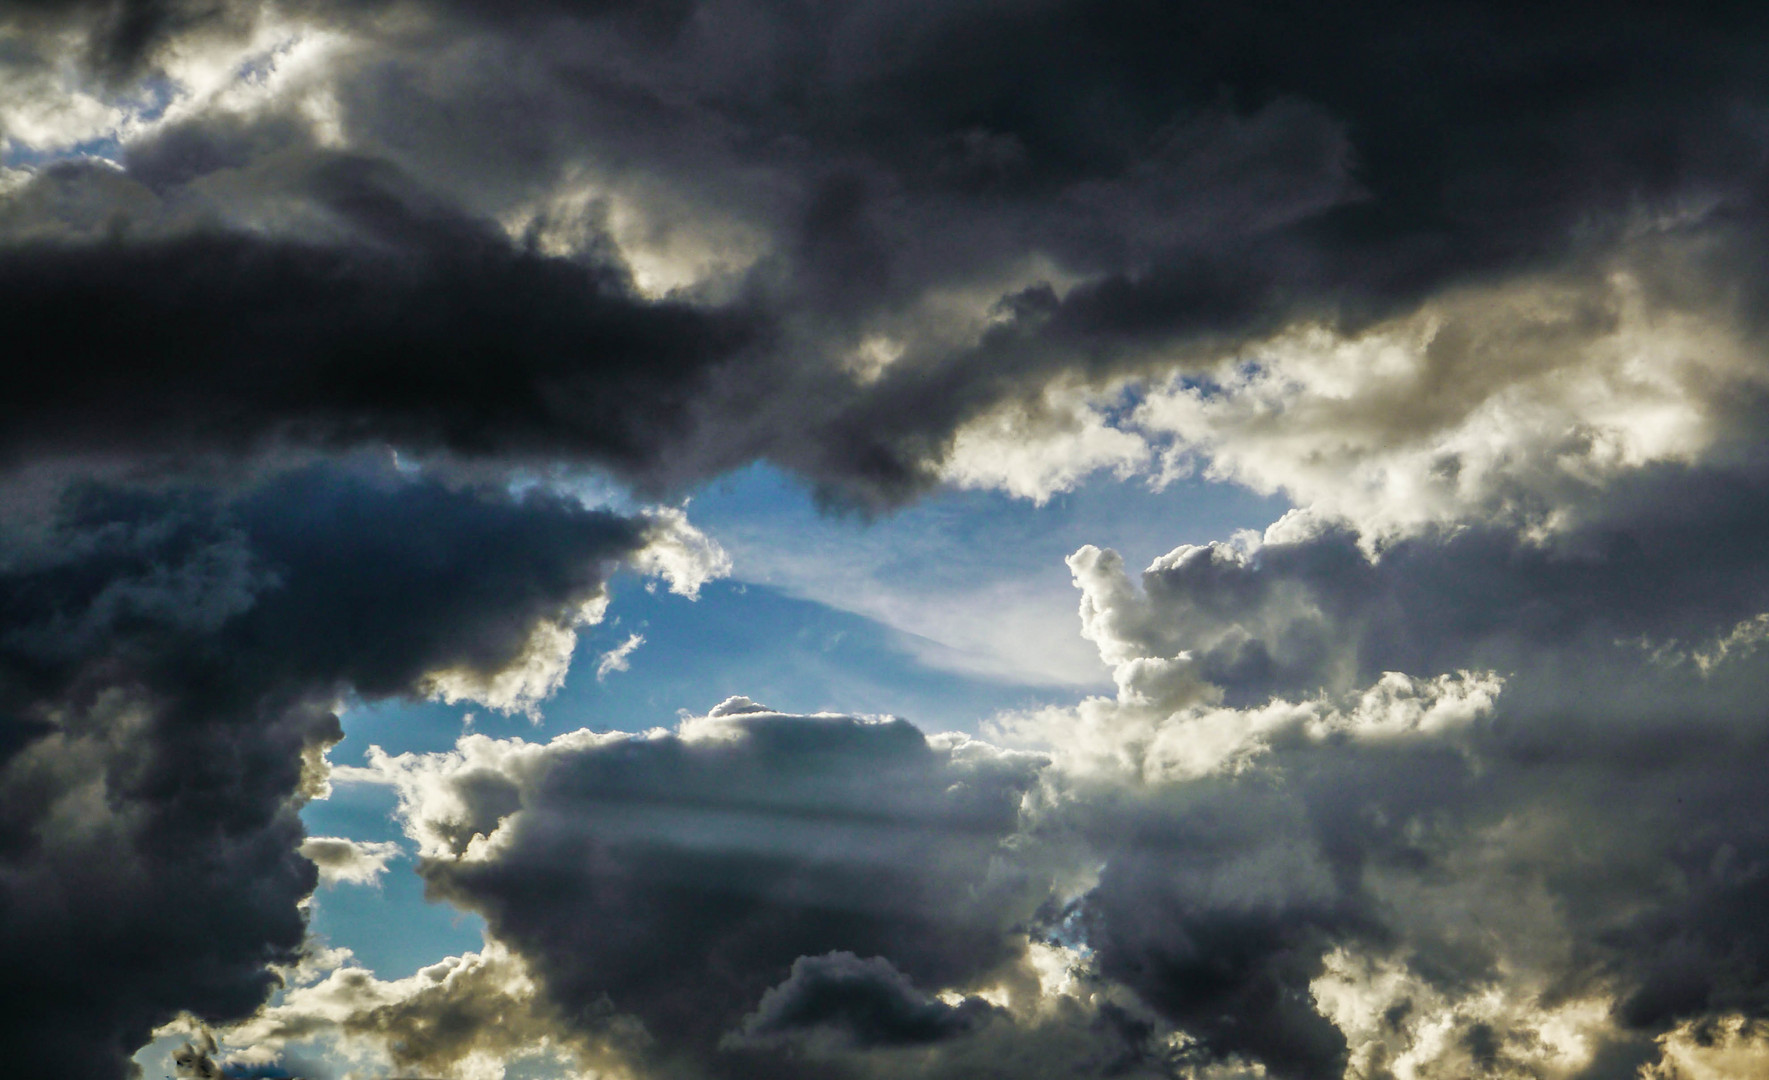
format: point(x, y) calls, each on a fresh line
point(422, 329)
point(1207, 171)
point(677, 878)
point(1192, 173)
point(855, 1003)
point(169, 666)
point(1215, 906)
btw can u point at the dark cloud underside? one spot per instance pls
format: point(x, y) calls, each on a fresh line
point(427, 332)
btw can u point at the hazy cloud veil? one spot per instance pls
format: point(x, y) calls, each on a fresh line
point(323, 316)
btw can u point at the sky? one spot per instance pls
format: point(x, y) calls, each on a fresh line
point(719, 539)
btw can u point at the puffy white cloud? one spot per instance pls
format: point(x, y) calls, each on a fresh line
point(1043, 447)
point(468, 1017)
point(617, 658)
point(1722, 1049)
point(672, 549)
point(536, 674)
point(355, 862)
point(1518, 401)
point(1154, 740)
point(680, 553)
point(1400, 1025)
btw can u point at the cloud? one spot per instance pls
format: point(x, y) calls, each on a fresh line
point(1153, 741)
point(1451, 768)
point(467, 1016)
point(1376, 840)
point(681, 554)
point(172, 663)
point(1414, 866)
point(424, 330)
point(687, 871)
point(615, 659)
point(1731, 1047)
point(1569, 619)
point(1433, 806)
point(840, 999)
point(196, 1059)
point(356, 862)
point(1042, 448)
point(629, 244)
point(1519, 402)
point(763, 855)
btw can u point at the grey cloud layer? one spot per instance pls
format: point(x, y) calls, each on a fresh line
point(1616, 610)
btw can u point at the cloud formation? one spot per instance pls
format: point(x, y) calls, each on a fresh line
point(1453, 770)
point(1408, 879)
point(465, 1016)
point(688, 871)
point(752, 893)
point(173, 661)
point(1490, 782)
point(356, 862)
point(840, 999)
point(638, 246)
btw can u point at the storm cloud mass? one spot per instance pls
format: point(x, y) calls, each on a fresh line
point(357, 347)
point(173, 663)
point(629, 234)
